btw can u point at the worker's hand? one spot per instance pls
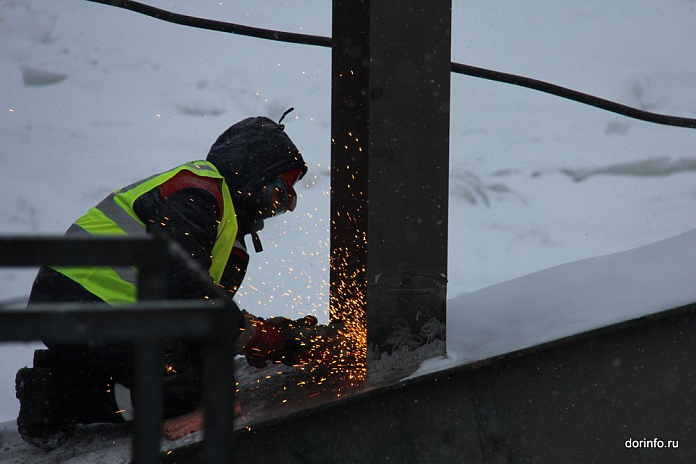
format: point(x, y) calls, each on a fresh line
point(299, 338)
point(265, 342)
point(283, 340)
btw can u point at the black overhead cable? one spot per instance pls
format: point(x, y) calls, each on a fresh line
point(459, 68)
point(573, 95)
point(218, 25)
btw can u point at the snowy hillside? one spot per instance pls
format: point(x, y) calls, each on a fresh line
point(93, 98)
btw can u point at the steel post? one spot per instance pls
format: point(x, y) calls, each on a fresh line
point(350, 140)
point(219, 397)
point(390, 176)
point(149, 365)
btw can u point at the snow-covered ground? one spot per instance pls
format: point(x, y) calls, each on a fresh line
point(569, 299)
point(93, 98)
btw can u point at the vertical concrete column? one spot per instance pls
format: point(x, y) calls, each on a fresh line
point(390, 175)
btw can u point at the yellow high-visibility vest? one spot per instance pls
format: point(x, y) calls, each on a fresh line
point(115, 216)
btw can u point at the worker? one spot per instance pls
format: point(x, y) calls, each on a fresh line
point(209, 207)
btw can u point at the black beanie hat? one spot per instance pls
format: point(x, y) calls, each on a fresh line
point(252, 153)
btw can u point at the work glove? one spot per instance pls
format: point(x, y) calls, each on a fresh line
point(280, 339)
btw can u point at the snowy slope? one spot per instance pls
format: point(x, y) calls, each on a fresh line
point(93, 98)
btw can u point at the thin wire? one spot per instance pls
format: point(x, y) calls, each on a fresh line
point(458, 68)
point(213, 25)
point(573, 95)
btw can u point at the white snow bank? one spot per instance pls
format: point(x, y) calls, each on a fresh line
point(569, 299)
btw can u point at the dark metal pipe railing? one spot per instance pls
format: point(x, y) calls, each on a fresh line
point(67, 323)
point(146, 323)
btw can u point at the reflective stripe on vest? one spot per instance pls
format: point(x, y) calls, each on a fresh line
point(115, 216)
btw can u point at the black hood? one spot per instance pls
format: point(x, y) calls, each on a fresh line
point(253, 152)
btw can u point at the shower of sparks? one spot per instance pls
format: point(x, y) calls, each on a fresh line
point(348, 269)
point(337, 353)
point(348, 306)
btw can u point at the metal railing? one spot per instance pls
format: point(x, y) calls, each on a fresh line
point(146, 324)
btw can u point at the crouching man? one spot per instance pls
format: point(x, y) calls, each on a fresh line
point(209, 207)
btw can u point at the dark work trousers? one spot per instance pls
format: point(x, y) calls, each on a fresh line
point(108, 363)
